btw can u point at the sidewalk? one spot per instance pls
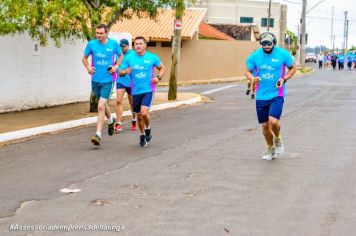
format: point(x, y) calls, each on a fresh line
point(23, 124)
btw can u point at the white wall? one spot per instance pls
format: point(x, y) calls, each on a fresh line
point(51, 76)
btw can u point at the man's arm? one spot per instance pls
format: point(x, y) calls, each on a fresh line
point(161, 69)
point(290, 73)
point(117, 64)
point(89, 68)
point(250, 77)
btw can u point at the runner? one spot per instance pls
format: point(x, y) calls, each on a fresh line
point(124, 84)
point(140, 66)
point(103, 52)
point(270, 62)
point(320, 60)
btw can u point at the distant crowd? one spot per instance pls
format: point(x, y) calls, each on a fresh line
point(337, 60)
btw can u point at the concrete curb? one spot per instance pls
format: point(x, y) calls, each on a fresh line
point(207, 81)
point(25, 133)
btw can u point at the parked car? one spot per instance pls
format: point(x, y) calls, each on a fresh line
point(310, 57)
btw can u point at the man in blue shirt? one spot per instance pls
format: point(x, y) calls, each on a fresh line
point(140, 66)
point(106, 57)
point(269, 63)
point(123, 84)
point(341, 61)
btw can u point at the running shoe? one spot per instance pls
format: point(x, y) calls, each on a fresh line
point(148, 135)
point(248, 91)
point(111, 127)
point(118, 128)
point(278, 144)
point(96, 140)
point(269, 154)
point(134, 125)
point(143, 141)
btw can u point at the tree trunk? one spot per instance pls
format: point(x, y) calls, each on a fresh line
point(93, 102)
point(176, 45)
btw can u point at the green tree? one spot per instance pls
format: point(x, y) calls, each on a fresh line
point(69, 19)
point(292, 44)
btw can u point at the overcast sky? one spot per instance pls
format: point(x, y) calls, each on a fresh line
point(319, 20)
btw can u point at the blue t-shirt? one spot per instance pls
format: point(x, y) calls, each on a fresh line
point(125, 80)
point(353, 57)
point(103, 56)
point(142, 71)
point(341, 59)
point(270, 68)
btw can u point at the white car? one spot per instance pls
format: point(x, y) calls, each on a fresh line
point(310, 57)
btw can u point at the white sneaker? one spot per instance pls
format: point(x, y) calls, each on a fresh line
point(278, 144)
point(269, 154)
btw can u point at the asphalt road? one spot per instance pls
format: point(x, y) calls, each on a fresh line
point(202, 174)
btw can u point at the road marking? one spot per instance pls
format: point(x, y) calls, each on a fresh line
point(218, 89)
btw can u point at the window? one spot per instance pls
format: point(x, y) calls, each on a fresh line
point(246, 19)
point(166, 44)
point(264, 22)
point(151, 44)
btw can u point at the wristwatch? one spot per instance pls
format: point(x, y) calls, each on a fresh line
point(159, 77)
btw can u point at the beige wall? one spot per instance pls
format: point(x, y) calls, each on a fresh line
point(208, 59)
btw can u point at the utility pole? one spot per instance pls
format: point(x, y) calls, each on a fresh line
point(332, 27)
point(302, 45)
point(269, 15)
point(347, 33)
point(344, 43)
point(176, 45)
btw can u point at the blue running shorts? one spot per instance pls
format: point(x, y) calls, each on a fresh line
point(121, 86)
point(142, 100)
point(102, 90)
point(266, 108)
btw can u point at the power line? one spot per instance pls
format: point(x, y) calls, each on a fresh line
point(292, 2)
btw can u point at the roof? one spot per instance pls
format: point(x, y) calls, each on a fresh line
point(209, 31)
point(238, 32)
point(161, 28)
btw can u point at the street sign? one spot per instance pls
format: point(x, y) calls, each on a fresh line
point(177, 24)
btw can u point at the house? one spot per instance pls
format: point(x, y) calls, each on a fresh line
point(247, 13)
point(206, 53)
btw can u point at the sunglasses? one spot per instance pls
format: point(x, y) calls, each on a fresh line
point(266, 43)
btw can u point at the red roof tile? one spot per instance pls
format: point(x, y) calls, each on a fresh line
point(209, 31)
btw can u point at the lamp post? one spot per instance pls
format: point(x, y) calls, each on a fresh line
point(269, 15)
point(302, 34)
point(303, 31)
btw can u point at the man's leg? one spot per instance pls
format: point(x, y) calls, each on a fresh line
point(248, 87)
point(275, 126)
point(134, 119)
point(275, 113)
point(253, 89)
point(145, 114)
point(102, 112)
point(137, 101)
point(100, 121)
point(267, 133)
point(119, 108)
point(262, 109)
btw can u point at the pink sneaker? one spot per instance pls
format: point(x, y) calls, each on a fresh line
point(118, 128)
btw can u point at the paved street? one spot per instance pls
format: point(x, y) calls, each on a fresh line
point(202, 174)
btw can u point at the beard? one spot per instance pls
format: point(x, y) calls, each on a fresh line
point(268, 51)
